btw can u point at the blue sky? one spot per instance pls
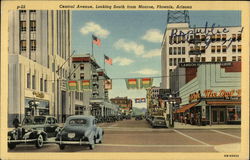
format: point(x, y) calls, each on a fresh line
point(133, 40)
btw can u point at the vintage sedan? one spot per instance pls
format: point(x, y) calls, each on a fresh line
point(79, 130)
point(158, 121)
point(33, 130)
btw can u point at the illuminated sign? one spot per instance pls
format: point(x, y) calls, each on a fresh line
point(38, 94)
point(222, 93)
point(195, 96)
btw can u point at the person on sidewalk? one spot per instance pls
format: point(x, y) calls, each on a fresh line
point(181, 117)
point(185, 119)
point(192, 119)
point(16, 122)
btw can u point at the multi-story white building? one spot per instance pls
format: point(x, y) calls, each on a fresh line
point(39, 46)
point(182, 43)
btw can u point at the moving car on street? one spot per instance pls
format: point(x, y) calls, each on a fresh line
point(158, 121)
point(79, 130)
point(33, 130)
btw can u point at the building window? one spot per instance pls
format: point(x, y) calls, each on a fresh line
point(32, 14)
point(218, 59)
point(81, 96)
point(175, 50)
point(74, 75)
point(82, 76)
point(174, 61)
point(28, 80)
point(22, 25)
point(224, 37)
point(175, 39)
point(170, 62)
point(74, 65)
point(224, 49)
point(170, 40)
point(233, 37)
point(224, 59)
point(212, 38)
point(203, 49)
point(197, 59)
point(191, 59)
point(179, 50)
point(213, 59)
point(218, 37)
point(77, 95)
point(218, 49)
point(33, 82)
point(203, 59)
point(183, 39)
point(179, 60)
point(23, 45)
point(213, 49)
point(203, 38)
point(239, 58)
point(22, 14)
point(233, 48)
point(170, 71)
point(179, 39)
point(170, 51)
point(239, 48)
point(183, 50)
point(45, 86)
point(239, 37)
point(33, 45)
point(183, 60)
point(32, 25)
point(41, 84)
point(234, 58)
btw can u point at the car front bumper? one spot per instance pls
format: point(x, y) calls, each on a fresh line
point(72, 142)
point(21, 140)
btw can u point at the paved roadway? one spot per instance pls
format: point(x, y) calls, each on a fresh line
point(138, 136)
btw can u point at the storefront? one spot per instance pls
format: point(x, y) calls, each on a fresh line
point(34, 106)
point(212, 95)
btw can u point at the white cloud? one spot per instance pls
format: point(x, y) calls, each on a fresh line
point(96, 29)
point(147, 72)
point(152, 53)
point(129, 46)
point(122, 61)
point(153, 35)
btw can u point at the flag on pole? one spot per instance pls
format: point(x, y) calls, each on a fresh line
point(146, 82)
point(72, 85)
point(96, 41)
point(85, 84)
point(132, 83)
point(108, 60)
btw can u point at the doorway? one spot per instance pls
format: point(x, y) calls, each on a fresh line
point(218, 115)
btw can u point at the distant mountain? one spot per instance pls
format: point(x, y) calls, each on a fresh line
point(139, 111)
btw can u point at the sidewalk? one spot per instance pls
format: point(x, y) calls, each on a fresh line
point(178, 125)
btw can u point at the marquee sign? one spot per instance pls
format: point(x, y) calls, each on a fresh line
point(197, 64)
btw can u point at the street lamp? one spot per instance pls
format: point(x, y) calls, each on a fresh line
point(171, 103)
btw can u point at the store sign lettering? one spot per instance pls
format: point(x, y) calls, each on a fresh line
point(194, 96)
point(222, 93)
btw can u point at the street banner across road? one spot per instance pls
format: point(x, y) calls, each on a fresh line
point(85, 84)
point(72, 85)
point(132, 83)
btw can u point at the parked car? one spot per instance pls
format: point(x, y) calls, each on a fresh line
point(79, 130)
point(138, 117)
point(158, 121)
point(33, 130)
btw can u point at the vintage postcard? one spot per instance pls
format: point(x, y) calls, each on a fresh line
point(124, 80)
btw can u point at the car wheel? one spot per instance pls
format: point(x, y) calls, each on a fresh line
point(11, 145)
point(39, 141)
point(61, 146)
point(91, 146)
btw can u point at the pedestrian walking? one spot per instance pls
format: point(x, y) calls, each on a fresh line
point(181, 118)
point(192, 118)
point(15, 122)
point(185, 119)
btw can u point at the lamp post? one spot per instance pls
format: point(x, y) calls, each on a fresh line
point(171, 103)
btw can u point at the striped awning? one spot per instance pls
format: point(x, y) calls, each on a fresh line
point(219, 103)
point(186, 107)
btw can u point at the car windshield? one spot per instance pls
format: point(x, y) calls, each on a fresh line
point(159, 118)
point(34, 120)
point(78, 121)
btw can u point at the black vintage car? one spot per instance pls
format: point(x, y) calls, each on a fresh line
point(79, 130)
point(33, 130)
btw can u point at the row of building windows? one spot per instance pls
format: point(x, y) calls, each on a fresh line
point(176, 50)
point(23, 14)
point(223, 49)
point(31, 83)
point(175, 61)
point(23, 45)
point(202, 38)
point(81, 66)
point(23, 26)
point(223, 59)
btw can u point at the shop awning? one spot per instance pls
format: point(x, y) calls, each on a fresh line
point(219, 103)
point(186, 107)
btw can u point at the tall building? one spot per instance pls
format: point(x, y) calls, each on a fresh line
point(183, 43)
point(125, 104)
point(153, 106)
point(92, 100)
point(39, 46)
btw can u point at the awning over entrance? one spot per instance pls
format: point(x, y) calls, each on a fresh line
point(186, 107)
point(219, 103)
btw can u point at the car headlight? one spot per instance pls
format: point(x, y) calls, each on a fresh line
point(71, 135)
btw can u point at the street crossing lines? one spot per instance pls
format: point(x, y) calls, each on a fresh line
point(194, 139)
point(226, 134)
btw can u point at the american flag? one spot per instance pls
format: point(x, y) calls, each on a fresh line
point(108, 60)
point(96, 40)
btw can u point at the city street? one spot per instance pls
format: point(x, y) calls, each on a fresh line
point(138, 136)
